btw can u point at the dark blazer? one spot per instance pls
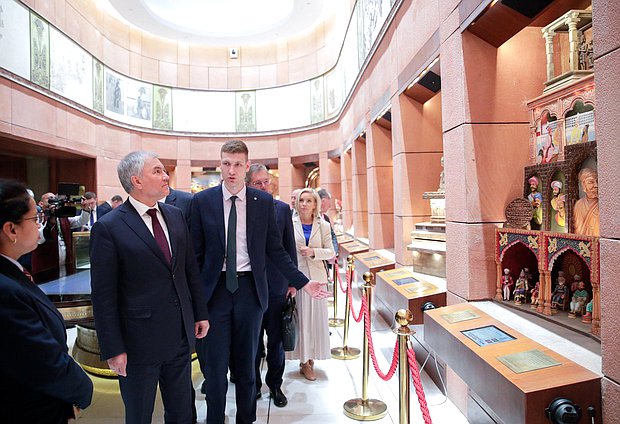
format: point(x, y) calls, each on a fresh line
point(141, 303)
point(278, 284)
point(102, 209)
point(263, 238)
point(39, 381)
point(183, 201)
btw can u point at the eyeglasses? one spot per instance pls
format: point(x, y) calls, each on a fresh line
point(38, 218)
point(261, 183)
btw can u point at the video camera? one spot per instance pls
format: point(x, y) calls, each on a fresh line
point(65, 204)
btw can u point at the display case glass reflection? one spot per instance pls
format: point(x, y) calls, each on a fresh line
point(81, 243)
point(489, 335)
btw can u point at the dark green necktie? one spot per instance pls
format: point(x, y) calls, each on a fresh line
point(231, 249)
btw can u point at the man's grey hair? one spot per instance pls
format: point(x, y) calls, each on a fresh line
point(131, 165)
point(324, 194)
point(254, 168)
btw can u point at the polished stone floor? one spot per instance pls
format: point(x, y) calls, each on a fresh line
point(321, 401)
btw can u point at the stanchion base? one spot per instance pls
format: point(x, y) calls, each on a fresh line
point(365, 410)
point(336, 322)
point(345, 353)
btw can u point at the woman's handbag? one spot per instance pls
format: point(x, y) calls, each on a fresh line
point(289, 325)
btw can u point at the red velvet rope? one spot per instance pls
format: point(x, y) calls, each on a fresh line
point(343, 288)
point(417, 383)
point(359, 317)
point(371, 347)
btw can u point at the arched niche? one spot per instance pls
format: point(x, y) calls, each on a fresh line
point(548, 138)
point(579, 123)
point(518, 256)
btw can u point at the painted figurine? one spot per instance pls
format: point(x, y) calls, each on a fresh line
point(559, 293)
point(521, 288)
point(578, 302)
point(534, 293)
point(587, 317)
point(576, 282)
point(507, 283)
point(535, 199)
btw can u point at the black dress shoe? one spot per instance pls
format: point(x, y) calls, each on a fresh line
point(278, 397)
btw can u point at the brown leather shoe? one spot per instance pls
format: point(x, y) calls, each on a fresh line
point(307, 371)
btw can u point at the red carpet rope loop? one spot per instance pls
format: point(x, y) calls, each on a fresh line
point(417, 383)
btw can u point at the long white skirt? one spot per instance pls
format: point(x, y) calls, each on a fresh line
point(313, 334)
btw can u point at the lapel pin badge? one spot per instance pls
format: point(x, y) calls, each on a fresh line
point(255, 198)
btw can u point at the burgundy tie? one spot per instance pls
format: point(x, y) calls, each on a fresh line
point(27, 274)
point(158, 232)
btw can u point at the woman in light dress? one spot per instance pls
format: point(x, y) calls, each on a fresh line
point(314, 246)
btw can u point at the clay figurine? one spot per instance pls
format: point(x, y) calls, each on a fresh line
point(586, 210)
point(578, 301)
point(534, 293)
point(507, 283)
point(559, 293)
point(587, 317)
point(521, 289)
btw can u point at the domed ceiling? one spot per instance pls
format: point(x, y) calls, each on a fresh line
point(224, 22)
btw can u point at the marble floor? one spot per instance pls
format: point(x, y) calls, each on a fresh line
point(321, 401)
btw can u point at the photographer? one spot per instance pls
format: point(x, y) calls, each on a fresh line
point(54, 257)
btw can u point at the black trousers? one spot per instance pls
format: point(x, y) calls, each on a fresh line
point(272, 325)
point(235, 321)
point(138, 389)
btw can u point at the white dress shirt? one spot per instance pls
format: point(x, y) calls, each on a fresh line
point(243, 257)
point(141, 208)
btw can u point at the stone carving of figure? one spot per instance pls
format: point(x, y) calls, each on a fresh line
point(586, 211)
point(583, 52)
point(507, 283)
point(578, 301)
point(521, 288)
point(442, 181)
point(559, 293)
point(535, 199)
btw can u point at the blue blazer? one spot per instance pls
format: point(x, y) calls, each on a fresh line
point(278, 283)
point(39, 381)
point(263, 237)
point(137, 296)
point(183, 201)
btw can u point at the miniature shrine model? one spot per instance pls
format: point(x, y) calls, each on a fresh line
point(547, 254)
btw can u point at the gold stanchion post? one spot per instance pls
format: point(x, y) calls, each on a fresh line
point(345, 352)
point(364, 409)
point(404, 318)
point(335, 322)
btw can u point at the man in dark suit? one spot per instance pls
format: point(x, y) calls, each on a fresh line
point(107, 206)
point(181, 200)
point(148, 301)
point(258, 177)
point(232, 260)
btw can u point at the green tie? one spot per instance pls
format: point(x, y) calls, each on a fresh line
point(231, 249)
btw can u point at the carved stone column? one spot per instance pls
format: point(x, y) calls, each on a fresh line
point(573, 41)
point(548, 35)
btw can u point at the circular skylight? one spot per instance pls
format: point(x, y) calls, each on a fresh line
point(221, 18)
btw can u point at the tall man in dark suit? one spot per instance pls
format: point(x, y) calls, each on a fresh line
point(148, 301)
point(258, 177)
point(234, 231)
point(181, 200)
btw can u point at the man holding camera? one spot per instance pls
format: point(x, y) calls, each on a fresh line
point(54, 258)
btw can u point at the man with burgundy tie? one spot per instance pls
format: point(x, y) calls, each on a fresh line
point(148, 301)
point(234, 231)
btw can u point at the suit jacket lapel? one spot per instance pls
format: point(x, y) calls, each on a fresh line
point(174, 241)
point(12, 272)
point(218, 203)
point(250, 215)
point(137, 225)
